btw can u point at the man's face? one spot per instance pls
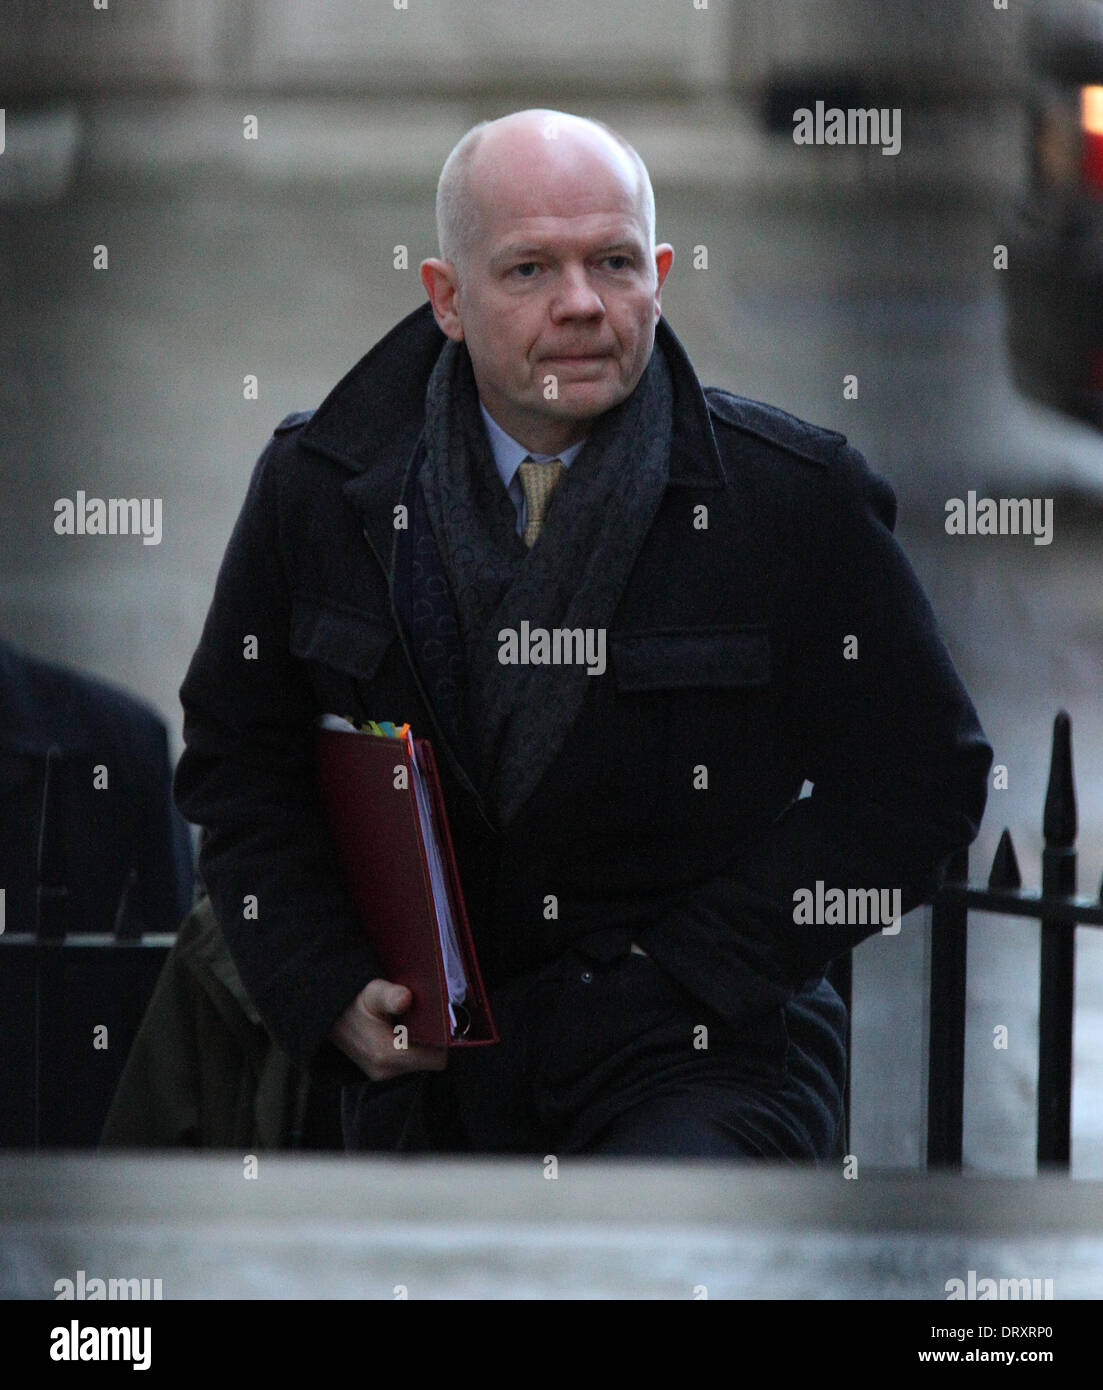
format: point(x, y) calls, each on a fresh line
point(558, 295)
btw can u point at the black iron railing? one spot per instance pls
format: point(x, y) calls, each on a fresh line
point(1059, 910)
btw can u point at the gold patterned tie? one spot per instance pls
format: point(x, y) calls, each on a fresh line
point(539, 481)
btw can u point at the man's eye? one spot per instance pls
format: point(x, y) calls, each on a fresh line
point(520, 270)
point(622, 262)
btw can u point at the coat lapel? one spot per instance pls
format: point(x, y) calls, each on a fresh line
point(372, 420)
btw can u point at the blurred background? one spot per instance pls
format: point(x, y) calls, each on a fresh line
point(230, 257)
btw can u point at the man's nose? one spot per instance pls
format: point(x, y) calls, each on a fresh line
point(575, 296)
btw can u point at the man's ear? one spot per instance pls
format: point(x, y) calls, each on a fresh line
point(442, 286)
point(664, 259)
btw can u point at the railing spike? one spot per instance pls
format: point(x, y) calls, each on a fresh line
point(128, 922)
point(52, 893)
point(1059, 818)
point(1005, 866)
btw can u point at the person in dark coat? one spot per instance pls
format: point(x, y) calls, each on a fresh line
point(532, 453)
point(101, 826)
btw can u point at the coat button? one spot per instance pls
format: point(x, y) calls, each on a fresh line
point(587, 977)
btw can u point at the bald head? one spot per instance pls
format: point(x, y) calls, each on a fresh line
point(531, 157)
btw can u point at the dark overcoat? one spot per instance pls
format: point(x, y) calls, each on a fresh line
point(771, 633)
point(109, 812)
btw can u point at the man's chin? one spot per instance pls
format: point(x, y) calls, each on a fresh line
point(584, 400)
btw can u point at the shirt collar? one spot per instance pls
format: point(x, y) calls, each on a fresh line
point(508, 454)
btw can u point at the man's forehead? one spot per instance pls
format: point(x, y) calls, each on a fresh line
point(574, 210)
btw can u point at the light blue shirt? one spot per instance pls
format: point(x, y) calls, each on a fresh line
point(509, 455)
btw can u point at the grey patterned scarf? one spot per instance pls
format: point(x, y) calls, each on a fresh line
point(573, 577)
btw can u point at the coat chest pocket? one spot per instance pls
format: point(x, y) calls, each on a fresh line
point(344, 649)
point(699, 697)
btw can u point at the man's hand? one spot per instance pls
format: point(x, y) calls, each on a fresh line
point(365, 1033)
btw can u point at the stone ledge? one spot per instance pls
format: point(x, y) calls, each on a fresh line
point(357, 1228)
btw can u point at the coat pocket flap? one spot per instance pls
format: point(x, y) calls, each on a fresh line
point(681, 659)
point(348, 640)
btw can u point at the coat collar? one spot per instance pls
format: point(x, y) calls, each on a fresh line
point(371, 422)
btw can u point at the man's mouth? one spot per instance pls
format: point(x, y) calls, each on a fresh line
point(576, 357)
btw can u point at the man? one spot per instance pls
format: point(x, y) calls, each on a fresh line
point(93, 825)
point(533, 452)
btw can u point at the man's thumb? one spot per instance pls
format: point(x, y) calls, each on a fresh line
point(397, 999)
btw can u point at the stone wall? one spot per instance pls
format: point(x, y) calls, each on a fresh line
point(453, 47)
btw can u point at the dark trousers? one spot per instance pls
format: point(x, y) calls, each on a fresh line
point(603, 1052)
